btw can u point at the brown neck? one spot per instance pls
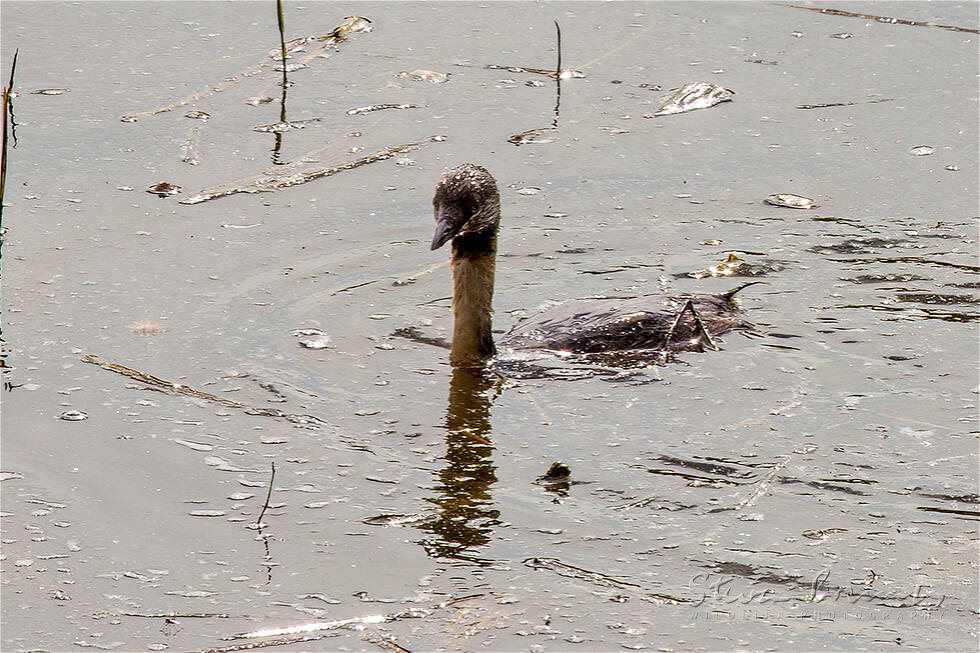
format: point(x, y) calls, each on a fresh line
point(473, 274)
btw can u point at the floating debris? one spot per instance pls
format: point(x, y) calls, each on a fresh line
point(191, 594)
point(161, 385)
point(196, 446)
point(50, 91)
point(887, 278)
point(597, 578)
point(862, 246)
point(258, 99)
point(164, 189)
point(822, 534)
point(882, 19)
point(280, 127)
point(188, 149)
point(146, 328)
point(733, 266)
point(652, 87)
point(356, 111)
point(351, 25)
point(564, 73)
point(73, 416)
point(198, 115)
point(420, 75)
point(952, 168)
point(696, 95)
point(208, 513)
point(936, 298)
point(790, 201)
point(533, 136)
point(842, 35)
point(843, 104)
point(397, 520)
point(557, 473)
point(291, 174)
point(291, 67)
point(922, 150)
point(764, 62)
point(313, 338)
point(557, 479)
point(313, 627)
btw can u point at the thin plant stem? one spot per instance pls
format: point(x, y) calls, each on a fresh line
point(282, 46)
point(557, 76)
point(8, 110)
point(268, 496)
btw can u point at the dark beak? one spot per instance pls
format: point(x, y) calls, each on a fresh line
point(445, 230)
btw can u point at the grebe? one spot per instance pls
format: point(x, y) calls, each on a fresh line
point(467, 212)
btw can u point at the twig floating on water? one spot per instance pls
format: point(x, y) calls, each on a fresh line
point(178, 615)
point(254, 645)
point(882, 19)
point(404, 281)
point(842, 104)
point(178, 388)
point(597, 578)
point(384, 642)
point(351, 25)
point(317, 626)
point(284, 126)
point(288, 175)
point(356, 111)
point(312, 627)
point(566, 74)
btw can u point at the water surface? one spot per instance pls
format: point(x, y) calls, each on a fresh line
point(815, 488)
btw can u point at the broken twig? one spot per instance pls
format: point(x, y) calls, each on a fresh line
point(255, 645)
point(289, 174)
point(178, 615)
point(161, 385)
point(882, 19)
point(842, 104)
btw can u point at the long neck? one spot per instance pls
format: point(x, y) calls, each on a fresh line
point(474, 259)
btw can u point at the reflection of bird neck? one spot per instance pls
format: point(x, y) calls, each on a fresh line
point(474, 262)
point(468, 408)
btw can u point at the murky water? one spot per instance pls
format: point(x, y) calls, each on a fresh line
point(815, 488)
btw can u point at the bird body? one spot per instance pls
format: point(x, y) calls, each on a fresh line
point(466, 205)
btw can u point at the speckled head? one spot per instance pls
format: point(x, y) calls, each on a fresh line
point(466, 206)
